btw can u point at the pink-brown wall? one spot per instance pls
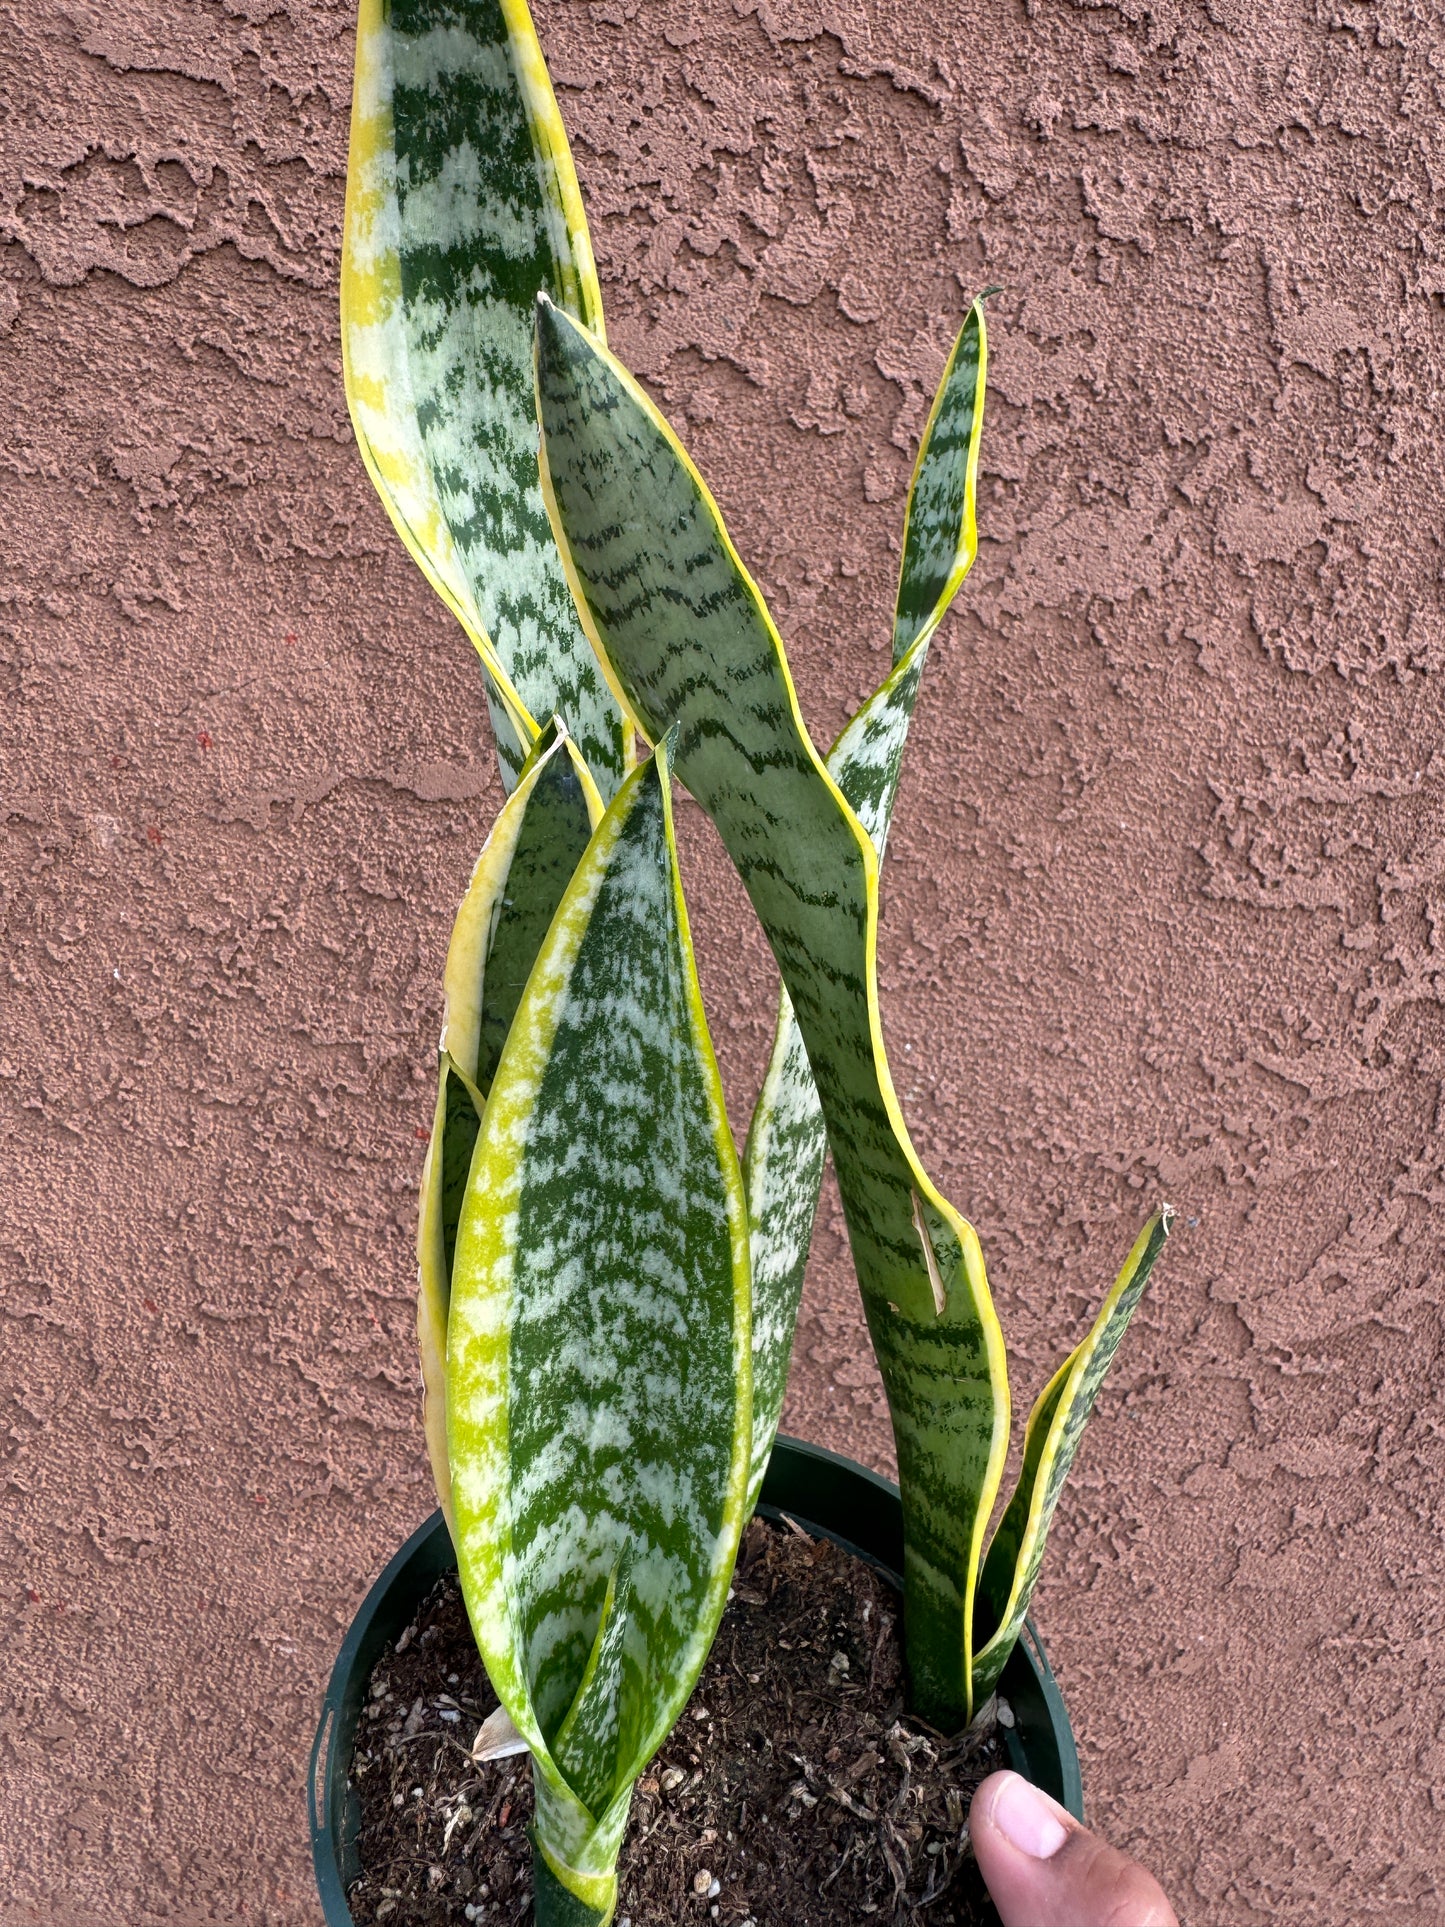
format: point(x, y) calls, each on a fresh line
point(1163, 904)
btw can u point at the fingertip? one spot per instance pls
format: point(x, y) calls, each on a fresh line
point(1023, 1814)
point(1044, 1869)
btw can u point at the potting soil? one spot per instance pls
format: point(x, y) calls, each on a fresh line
point(794, 1792)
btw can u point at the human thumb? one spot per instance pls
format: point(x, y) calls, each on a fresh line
point(1044, 1870)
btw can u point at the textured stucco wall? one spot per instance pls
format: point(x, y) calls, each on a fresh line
point(1163, 903)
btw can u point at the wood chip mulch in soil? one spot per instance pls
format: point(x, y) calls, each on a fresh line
point(793, 1792)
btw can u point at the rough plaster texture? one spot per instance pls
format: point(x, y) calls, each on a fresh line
point(1163, 903)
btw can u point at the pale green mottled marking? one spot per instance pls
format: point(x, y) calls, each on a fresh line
point(598, 1366)
point(689, 643)
point(1055, 1428)
point(782, 1172)
point(461, 203)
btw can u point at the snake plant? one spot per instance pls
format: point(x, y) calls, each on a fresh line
point(608, 1292)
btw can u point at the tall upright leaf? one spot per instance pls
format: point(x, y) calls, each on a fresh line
point(598, 1363)
point(462, 203)
point(783, 1164)
point(528, 860)
point(689, 643)
point(1055, 1428)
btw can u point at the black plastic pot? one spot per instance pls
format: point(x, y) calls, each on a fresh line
point(834, 1497)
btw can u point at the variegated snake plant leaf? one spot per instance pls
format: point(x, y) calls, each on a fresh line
point(462, 202)
point(1051, 1440)
point(787, 1140)
point(598, 1376)
point(689, 644)
point(528, 860)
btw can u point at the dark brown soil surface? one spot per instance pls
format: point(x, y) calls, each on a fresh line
point(793, 1792)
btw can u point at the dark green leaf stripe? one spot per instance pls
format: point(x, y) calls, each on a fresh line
point(443, 1183)
point(1055, 1428)
point(459, 1118)
point(690, 644)
point(598, 1363)
point(529, 858)
point(940, 537)
point(462, 202)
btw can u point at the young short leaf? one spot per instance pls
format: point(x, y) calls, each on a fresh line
point(1055, 1427)
point(462, 202)
point(598, 1362)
